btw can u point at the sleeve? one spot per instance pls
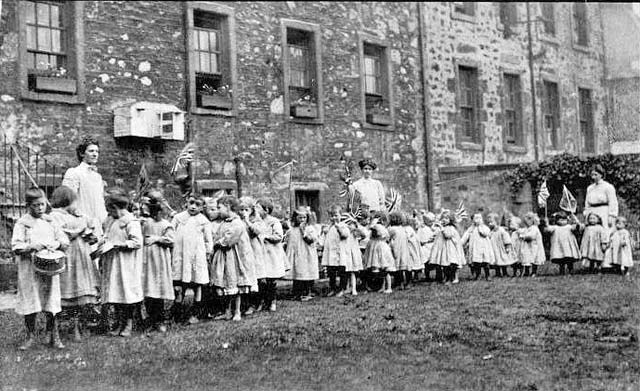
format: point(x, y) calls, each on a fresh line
point(465, 237)
point(528, 234)
point(344, 231)
point(612, 199)
point(449, 233)
point(168, 236)
point(550, 228)
point(310, 235)
point(134, 235)
point(277, 234)
point(506, 238)
point(208, 237)
point(71, 179)
point(60, 236)
point(19, 239)
point(231, 233)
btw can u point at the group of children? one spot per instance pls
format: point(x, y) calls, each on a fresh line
point(221, 257)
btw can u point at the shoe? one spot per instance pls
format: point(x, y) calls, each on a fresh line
point(193, 320)
point(388, 291)
point(222, 316)
point(456, 281)
point(115, 332)
point(162, 328)
point(236, 318)
point(533, 276)
point(305, 298)
point(28, 343)
point(354, 293)
point(260, 308)
point(340, 294)
point(128, 327)
point(57, 344)
point(249, 311)
point(272, 307)
point(331, 294)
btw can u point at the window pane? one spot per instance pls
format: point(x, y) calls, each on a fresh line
point(55, 41)
point(31, 37)
point(55, 16)
point(370, 85)
point(369, 66)
point(213, 41)
point(31, 12)
point(43, 14)
point(31, 60)
point(203, 40)
point(53, 62)
point(205, 62)
point(214, 63)
point(44, 39)
point(42, 61)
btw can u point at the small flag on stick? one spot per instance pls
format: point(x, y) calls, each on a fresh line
point(461, 212)
point(543, 195)
point(143, 181)
point(568, 202)
point(281, 177)
point(393, 200)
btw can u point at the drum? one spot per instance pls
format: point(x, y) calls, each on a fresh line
point(49, 262)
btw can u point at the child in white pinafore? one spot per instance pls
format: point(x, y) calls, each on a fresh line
point(122, 262)
point(399, 243)
point(302, 254)
point(157, 283)
point(595, 240)
point(426, 237)
point(502, 245)
point(80, 281)
point(480, 250)
point(514, 225)
point(619, 251)
point(378, 258)
point(37, 292)
point(275, 258)
point(191, 250)
point(531, 248)
point(256, 229)
point(447, 250)
point(336, 253)
point(564, 245)
point(415, 250)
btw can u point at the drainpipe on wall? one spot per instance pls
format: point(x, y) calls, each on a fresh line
point(536, 145)
point(425, 104)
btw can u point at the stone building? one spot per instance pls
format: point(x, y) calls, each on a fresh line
point(438, 93)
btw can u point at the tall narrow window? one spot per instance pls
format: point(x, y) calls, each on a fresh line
point(586, 120)
point(551, 113)
point(375, 80)
point(508, 18)
point(303, 86)
point(512, 110)
point(212, 53)
point(581, 28)
point(468, 90)
point(51, 50)
point(548, 19)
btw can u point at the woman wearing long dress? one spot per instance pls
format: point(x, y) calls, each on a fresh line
point(601, 199)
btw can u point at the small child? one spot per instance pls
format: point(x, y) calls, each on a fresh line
point(426, 237)
point(531, 248)
point(502, 245)
point(564, 245)
point(399, 243)
point(233, 263)
point(302, 254)
point(256, 230)
point(378, 258)
point(480, 250)
point(447, 250)
point(157, 280)
point(192, 248)
point(594, 243)
point(274, 255)
point(80, 281)
point(619, 250)
point(122, 262)
point(354, 260)
point(411, 225)
point(336, 253)
point(37, 292)
point(514, 225)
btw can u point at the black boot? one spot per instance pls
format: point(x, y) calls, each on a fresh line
point(30, 325)
point(52, 326)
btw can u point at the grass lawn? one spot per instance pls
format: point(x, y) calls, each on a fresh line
point(550, 333)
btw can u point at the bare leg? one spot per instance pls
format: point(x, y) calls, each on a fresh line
point(236, 311)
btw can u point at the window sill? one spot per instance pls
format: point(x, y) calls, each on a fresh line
point(368, 126)
point(549, 39)
point(581, 48)
point(515, 149)
point(463, 17)
point(221, 113)
point(306, 121)
point(53, 97)
point(470, 146)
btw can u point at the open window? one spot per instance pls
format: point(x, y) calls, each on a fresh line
point(375, 83)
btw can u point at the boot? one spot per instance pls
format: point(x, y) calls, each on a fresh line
point(127, 327)
point(30, 324)
point(55, 340)
point(118, 320)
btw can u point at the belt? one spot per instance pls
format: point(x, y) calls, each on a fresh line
point(600, 204)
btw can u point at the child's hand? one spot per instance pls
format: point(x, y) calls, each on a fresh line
point(36, 247)
point(151, 239)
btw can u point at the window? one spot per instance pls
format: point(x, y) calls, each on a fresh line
point(51, 51)
point(468, 91)
point(212, 58)
point(464, 7)
point(508, 18)
point(512, 110)
point(548, 19)
point(586, 119)
point(375, 83)
point(551, 113)
point(302, 72)
point(581, 30)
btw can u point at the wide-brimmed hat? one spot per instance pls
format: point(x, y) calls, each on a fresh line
point(367, 162)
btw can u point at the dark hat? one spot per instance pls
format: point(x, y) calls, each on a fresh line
point(598, 168)
point(367, 162)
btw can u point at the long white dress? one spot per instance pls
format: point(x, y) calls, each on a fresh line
point(601, 199)
point(193, 241)
point(87, 182)
point(619, 251)
point(371, 193)
point(480, 250)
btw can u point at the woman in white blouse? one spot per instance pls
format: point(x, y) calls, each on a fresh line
point(371, 190)
point(601, 198)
